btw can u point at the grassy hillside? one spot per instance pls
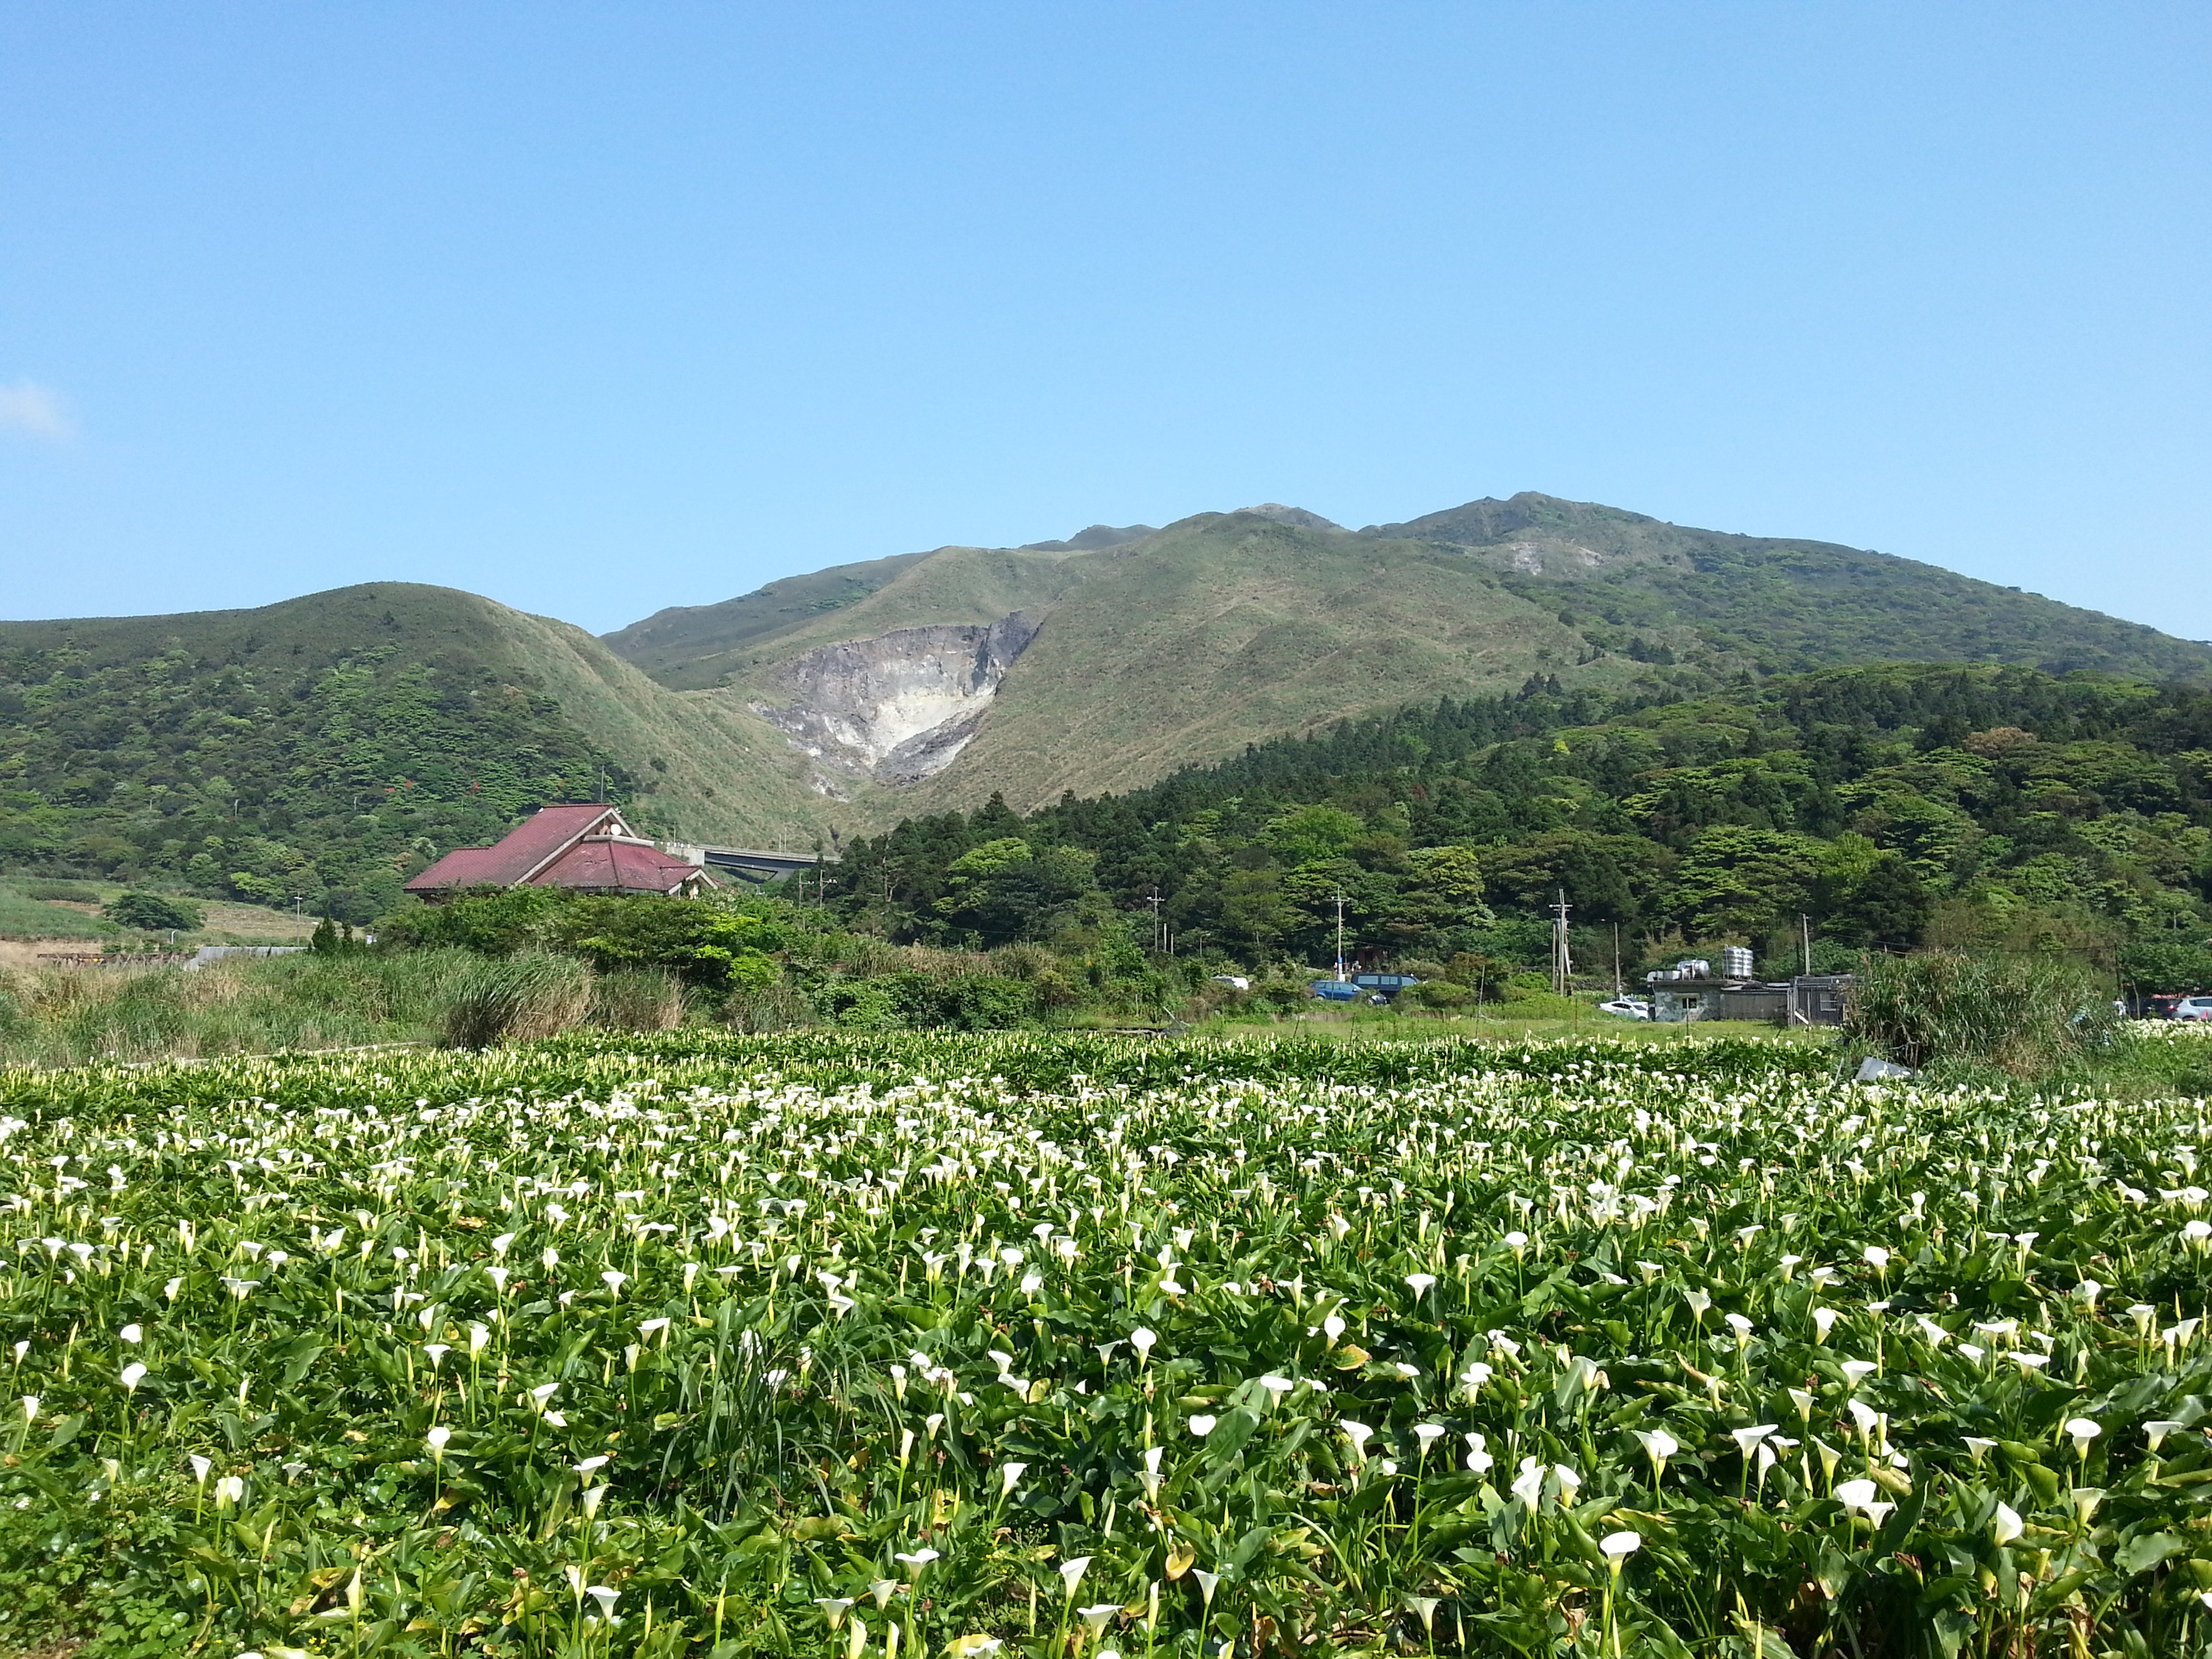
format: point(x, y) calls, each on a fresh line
point(953, 584)
point(1184, 645)
point(1230, 627)
point(334, 744)
point(693, 647)
point(687, 647)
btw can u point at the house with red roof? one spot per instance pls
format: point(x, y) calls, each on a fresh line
point(587, 849)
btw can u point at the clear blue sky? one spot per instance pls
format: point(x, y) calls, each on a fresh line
point(596, 308)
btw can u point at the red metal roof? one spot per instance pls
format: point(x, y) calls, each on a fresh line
point(616, 866)
point(530, 845)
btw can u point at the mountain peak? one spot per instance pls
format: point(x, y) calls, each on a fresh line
point(1290, 515)
point(1091, 540)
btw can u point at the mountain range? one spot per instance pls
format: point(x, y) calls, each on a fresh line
point(388, 717)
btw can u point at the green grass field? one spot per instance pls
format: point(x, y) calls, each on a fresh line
point(30, 919)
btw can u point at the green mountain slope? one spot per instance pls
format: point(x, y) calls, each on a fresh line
point(1119, 659)
point(335, 742)
point(1788, 605)
point(338, 741)
point(1230, 627)
point(689, 646)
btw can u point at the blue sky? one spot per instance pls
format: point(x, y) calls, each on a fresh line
point(596, 309)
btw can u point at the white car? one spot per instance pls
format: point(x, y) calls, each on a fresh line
point(2193, 1008)
point(1626, 1008)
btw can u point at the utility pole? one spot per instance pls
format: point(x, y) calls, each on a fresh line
point(1616, 961)
point(1340, 937)
point(1155, 903)
point(1805, 944)
point(1563, 965)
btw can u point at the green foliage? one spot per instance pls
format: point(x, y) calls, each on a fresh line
point(1442, 995)
point(1733, 879)
point(334, 938)
point(2026, 1015)
point(1005, 890)
point(493, 921)
point(154, 913)
point(324, 754)
point(75, 892)
point(2169, 964)
point(706, 941)
point(1889, 805)
point(911, 1001)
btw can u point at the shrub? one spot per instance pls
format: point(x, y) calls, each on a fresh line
point(2026, 1014)
point(153, 913)
point(984, 1002)
point(515, 999)
point(493, 921)
point(1441, 994)
point(709, 943)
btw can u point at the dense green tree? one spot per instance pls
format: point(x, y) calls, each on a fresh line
point(706, 940)
point(1885, 805)
point(1735, 881)
point(154, 913)
point(1005, 890)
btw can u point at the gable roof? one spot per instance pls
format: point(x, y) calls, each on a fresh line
point(603, 864)
point(530, 847)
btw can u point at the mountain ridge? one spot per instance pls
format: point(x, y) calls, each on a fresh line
point(335, 740)
point(1180, 645)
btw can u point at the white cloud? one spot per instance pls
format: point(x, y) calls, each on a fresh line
point(33, 409)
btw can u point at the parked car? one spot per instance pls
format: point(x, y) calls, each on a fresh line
point(2198, 1008)
point(1626, 1008)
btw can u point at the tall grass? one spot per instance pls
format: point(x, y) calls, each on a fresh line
point(514, 998)
point(71, 1017)
point(640, 1000)
point(2029, 1015)
point(67, 1016)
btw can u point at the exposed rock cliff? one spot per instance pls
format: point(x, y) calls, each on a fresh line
point(899, 706)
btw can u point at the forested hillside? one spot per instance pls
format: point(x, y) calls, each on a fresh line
point(326, 748)
point(1885, 805)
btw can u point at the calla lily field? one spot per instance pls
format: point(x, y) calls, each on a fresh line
point(890, 1345)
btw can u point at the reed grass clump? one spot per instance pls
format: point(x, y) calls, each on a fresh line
point(516, 998)
point(73, 1016)
point(639, 999)
point(2028, 1015)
